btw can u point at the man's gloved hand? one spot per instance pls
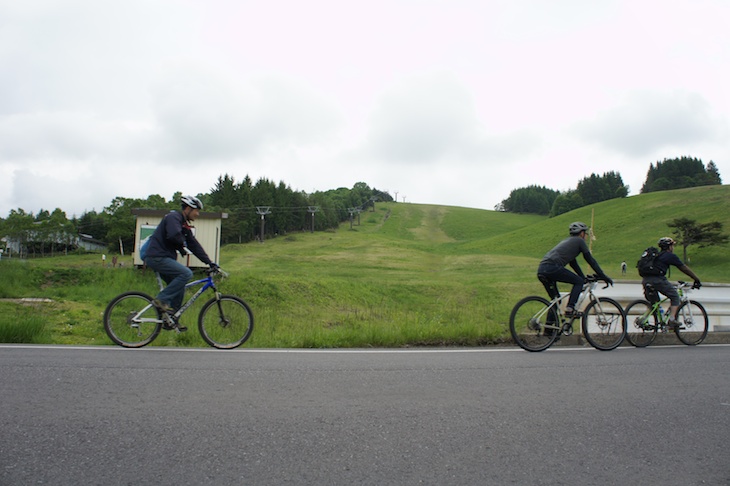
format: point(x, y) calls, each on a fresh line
point(697, 284)
point(213, 267)
point(607, 279)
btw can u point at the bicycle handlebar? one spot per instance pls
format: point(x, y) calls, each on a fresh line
point(213, 271)
point(596, 278)
point(686, 285)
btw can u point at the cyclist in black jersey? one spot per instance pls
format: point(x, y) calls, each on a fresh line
point(552, 267)
point(660, 283)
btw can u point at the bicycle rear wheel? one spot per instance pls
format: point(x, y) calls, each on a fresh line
point(693, 319)
point(130, 320)
point(225, 323)
point(604, 324)
point(642, 323)
point(528, 321)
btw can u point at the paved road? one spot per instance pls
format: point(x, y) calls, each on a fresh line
point(482, 416)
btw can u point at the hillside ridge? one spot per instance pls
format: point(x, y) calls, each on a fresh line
point(623, 227)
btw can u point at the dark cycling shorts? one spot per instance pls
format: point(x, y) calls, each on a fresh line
point(661, 285)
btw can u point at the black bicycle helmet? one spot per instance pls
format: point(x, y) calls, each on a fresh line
point(577, 227)
point(665, 242)
point(191, 201)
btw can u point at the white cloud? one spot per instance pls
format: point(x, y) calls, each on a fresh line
point(422, 120)
point(432, 98)
point(650, 121)
point(69, 136)
point(203, 116)
point(431, 119)
point(51, 189)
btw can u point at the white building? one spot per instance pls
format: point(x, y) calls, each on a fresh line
point(207, 231)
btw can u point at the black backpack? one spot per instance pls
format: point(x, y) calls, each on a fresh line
point(647, 266)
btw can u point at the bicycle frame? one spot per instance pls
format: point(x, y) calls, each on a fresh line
point(206, 283)
point(556, 303)
point(683, 289)
point(656, 311)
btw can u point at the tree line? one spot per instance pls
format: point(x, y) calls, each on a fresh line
point(52, 233)
point(548, 202)
point(680, 173)
point(677, 173)
point(285, 210)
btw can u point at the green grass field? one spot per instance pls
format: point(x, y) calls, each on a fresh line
point(407, 275)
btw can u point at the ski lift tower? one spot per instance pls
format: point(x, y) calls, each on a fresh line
point(372, 203)
point(313, 209)
point(263, 211)
point(352, 212)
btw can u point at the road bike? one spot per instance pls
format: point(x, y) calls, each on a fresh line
point(132, 320)
point(536, 323)
point(646, 319)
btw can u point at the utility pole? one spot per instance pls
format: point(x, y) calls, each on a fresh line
point(352, 212)
point(396, 196)
point(372, 200)
point(313, 209)
point(263, 211)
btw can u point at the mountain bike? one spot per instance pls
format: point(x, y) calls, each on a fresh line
point(536, 323)
point(646, 319)
point(131, 319)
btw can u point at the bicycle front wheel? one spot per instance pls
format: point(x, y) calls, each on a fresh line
point(692, 317)
point(130, 320)
point(225, 323)
point(642, 323)
point(534, 324)
point(604, 324)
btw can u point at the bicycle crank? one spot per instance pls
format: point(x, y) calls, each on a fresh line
point(567, 329)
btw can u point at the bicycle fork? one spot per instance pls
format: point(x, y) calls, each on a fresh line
point(222, 319)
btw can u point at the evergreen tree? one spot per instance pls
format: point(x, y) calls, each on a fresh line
point(531, 199)
point(596, 188)
point(680, 173)
point(565, 202)
point(688, 232)
point(713, 174)
point(225, 193)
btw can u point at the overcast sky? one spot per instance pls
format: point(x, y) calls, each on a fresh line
point(453, 102)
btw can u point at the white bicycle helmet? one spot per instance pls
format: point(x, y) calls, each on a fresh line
point(191, 201)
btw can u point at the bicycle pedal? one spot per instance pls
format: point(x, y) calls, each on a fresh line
point(168, 322)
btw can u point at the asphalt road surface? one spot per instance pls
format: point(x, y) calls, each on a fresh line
point(572, 416)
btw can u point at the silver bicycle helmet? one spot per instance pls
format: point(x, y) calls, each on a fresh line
point(577, 227)
point(665, 242)
point(191, 201)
